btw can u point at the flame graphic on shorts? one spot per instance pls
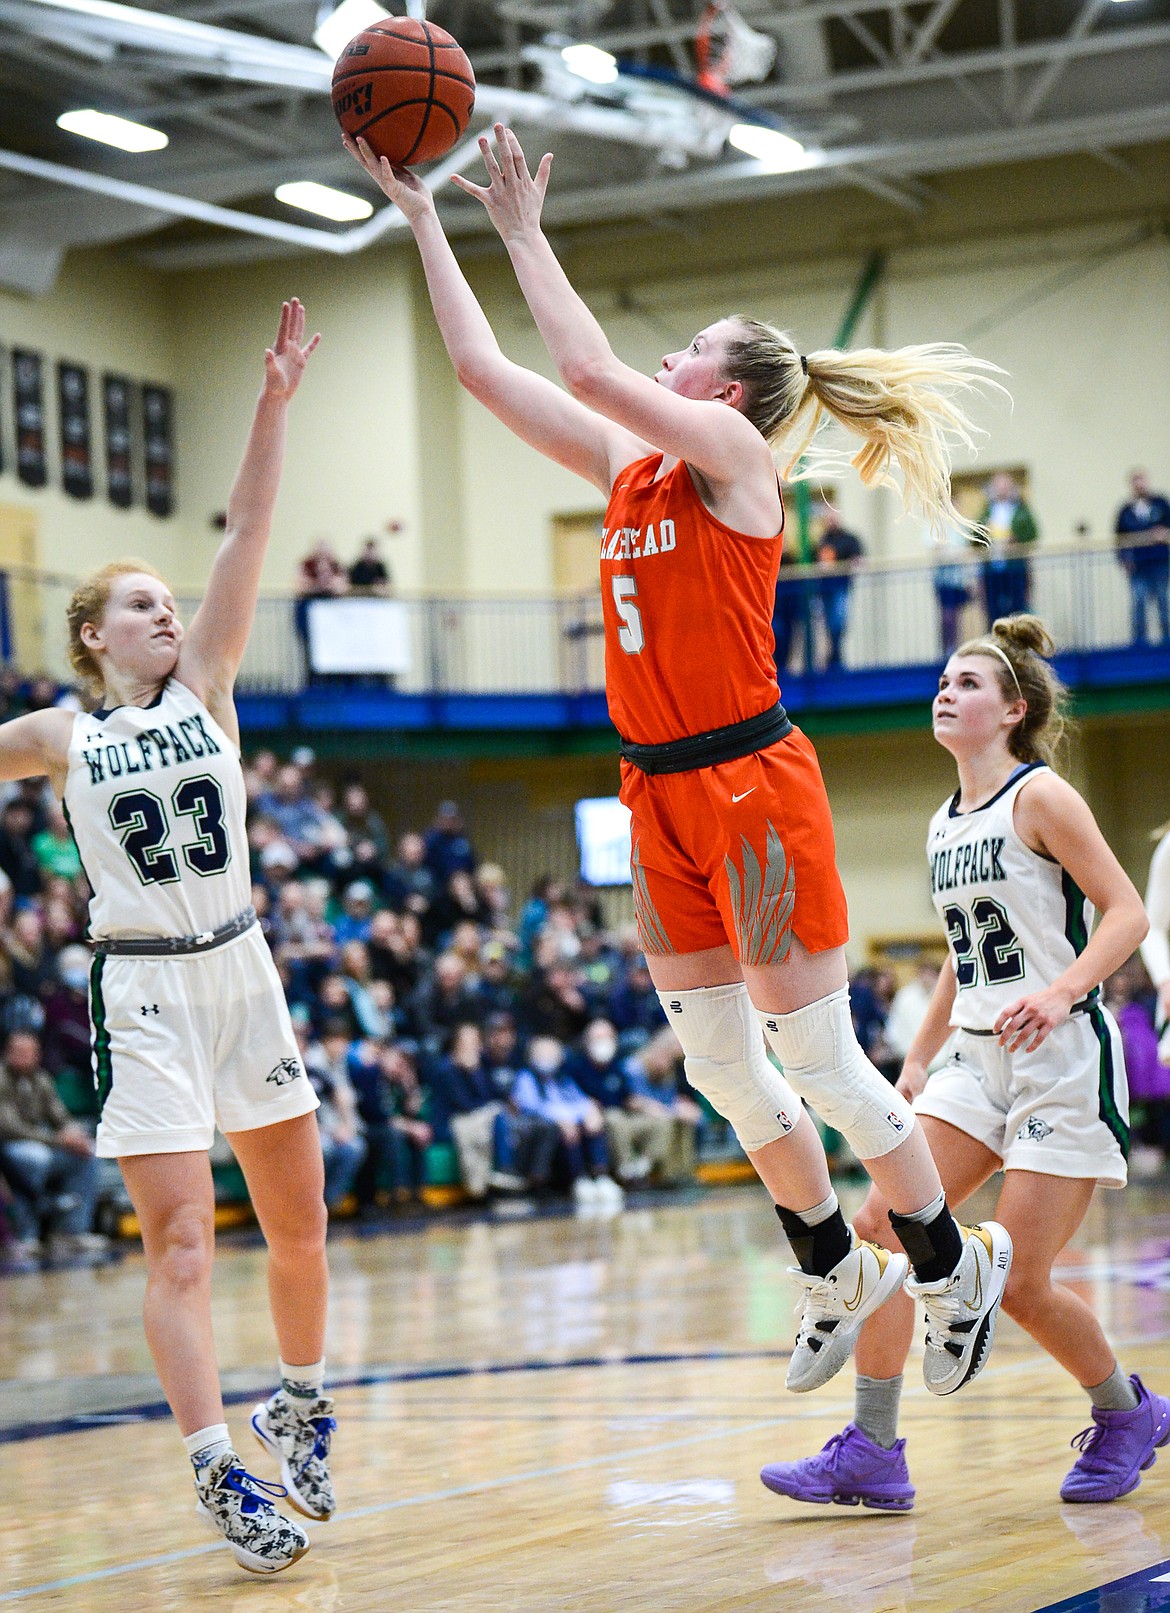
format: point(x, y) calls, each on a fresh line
point(651, 931)
point(764, 904)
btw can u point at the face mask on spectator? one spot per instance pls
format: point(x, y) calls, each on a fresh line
point(545, 1061)
point(601, 1049)
point(75, 979)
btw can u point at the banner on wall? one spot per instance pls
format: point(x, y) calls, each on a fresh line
point(119, 463)
point(157, 449)
point(28, 407)
point(76, 439)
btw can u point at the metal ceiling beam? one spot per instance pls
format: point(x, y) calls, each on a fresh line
point(1043, 86)
point(943, 11)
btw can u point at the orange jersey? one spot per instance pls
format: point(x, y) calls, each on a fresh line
point(687, 604)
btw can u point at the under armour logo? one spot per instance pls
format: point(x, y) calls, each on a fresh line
point(149, 1008)
point(284, 1072)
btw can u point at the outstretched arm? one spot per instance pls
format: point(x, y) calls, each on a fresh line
point(215, 642)
point(717, 440)
point(533, 407)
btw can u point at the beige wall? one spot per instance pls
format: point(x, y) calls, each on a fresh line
point(382, 433)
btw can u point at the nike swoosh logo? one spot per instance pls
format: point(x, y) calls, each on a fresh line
point(852, 1304)
point(976, 1304)
point(746, 793)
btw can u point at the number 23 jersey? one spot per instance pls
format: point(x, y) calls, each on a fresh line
point(155, 798)
point(1015, 920)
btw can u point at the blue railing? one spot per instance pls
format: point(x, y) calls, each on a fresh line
point(553, 646)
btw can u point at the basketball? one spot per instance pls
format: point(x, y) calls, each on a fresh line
point(406, 87)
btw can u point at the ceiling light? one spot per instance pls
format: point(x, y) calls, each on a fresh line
point(349, 19)
point(112, 131)
point(587, 61)
point(324, 201)
point(779, 153)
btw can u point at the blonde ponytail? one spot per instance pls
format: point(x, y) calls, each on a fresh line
point(1020, 649)
point(904, 404)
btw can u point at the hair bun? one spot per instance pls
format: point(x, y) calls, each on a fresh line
point(1025, 633)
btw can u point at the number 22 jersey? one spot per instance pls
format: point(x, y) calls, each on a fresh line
point(1015, 920)
point(155, 798)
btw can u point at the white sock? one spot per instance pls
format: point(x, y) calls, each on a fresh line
point(303, 1383)
point(205, 1444)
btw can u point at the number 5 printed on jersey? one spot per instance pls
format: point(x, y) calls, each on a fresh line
point(140, 820)
point(630, 635)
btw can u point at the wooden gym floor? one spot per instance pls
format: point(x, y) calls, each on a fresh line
point(555, 1416)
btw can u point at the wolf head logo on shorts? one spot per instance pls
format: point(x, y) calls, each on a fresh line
point(1034, 1128)
point(287, 1070)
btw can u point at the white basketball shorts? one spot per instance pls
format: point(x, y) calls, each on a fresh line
point(1060, 1111)
point(182, 1044)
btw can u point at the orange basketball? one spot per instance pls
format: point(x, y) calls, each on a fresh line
point(406, 87)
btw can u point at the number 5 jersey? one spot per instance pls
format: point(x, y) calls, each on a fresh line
point(155, 798)
point(1015, 920)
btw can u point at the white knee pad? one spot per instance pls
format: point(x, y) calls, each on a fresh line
point(727, 1061)
point(822, 1058)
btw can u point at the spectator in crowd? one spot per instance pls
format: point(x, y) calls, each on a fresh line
point(1011, 529)
point(409, 885)
point(369, 573)
point(792, 612)
point(639, 1131)
point(466, 1094)
point(657, 1082)
point(837, 547)
point(46, 1157)
point(544, 1088)
point(531, 1142)
point(411, 1133)
point(1129, 996)
point(361, 822)
point(553, 1004)
point(17, 858)
point(908, 1008)
point(55, 849)
point(953, 578)
point(1143, 547)
point(342, 1142)
point(634, 1004)
point(321, 574)
point(442, 1001)
point(375, 1107)
point(457, 902)
point(356, 918)
point(67, 1028)
point(447, 850)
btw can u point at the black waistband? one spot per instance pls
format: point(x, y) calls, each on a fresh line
point(167, 946)
point(1085, 1006)
point(708, 750)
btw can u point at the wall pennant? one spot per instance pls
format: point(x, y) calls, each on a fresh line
point(119, 465)
point(29, 410)
point(76, 441)
point(159, 454)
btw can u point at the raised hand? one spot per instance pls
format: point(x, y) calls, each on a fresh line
point(405, 190)
point(285, 360)
point(513, 196)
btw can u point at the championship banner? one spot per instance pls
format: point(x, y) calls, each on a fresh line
point(119, 467)
point(76, 444)
point(158, 453)
point(29, 411)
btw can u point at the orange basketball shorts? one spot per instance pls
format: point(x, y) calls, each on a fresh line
point(741, 852)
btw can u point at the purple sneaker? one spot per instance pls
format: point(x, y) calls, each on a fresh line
point(1118, 1448)
point(851, 1468)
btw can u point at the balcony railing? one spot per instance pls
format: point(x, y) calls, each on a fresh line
point(548, 645)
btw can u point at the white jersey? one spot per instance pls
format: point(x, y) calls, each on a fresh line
point(155, 798)
point(1015, 920)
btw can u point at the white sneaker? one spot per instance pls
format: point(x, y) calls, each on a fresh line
point(609, 1195)
point(299, 1439)
point(585, 1193)
point(834, 1308)
point(961, 1310)
point(237, 1504)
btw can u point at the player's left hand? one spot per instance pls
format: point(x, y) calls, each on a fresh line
point(1023, 1025)
point(285, 360)
point(513, 197)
